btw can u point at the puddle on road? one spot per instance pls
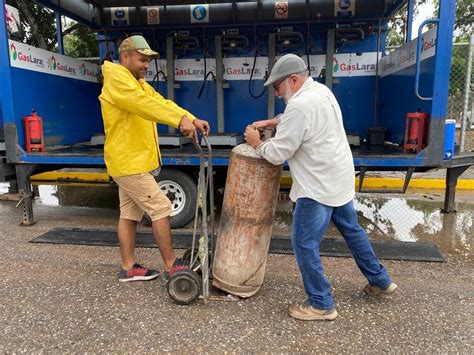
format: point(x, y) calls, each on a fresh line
point(408, 220)
point(79, 196)
point(48, 195)
point(415, 220)
point(4, 187)
point(383, 217)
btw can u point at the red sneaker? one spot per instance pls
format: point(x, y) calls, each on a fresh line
point(179, 264)
point(137, 273)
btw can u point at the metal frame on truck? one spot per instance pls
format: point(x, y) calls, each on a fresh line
point(215, 56)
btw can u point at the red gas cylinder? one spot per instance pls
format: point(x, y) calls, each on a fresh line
point(413, 131)
point(416, 131)
point(34, 132)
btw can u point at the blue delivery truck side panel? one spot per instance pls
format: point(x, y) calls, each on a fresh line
point(342, 42)
point(69, 107)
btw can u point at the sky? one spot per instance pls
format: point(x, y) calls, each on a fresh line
point(425, 11)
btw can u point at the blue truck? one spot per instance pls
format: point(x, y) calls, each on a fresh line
point(215, 56)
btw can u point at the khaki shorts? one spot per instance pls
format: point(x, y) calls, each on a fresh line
point(141, 193)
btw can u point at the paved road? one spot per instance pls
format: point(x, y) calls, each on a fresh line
point(66, 299)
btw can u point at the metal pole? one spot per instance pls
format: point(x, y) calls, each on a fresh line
point(452, 175)
point(329, 58)
point(59, 33)
point(467, 91)
point(23, 173)
point(271, 62)
point(170, 74)
point(219, 85)
point(411, 10)
point(377, 77)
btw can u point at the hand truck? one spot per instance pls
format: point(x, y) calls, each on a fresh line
point(185, 286)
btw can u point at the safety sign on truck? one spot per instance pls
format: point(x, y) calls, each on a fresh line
point(153, 15)
point(199, 13)
point(281, 9)
point(344, 8)
point(119, 16)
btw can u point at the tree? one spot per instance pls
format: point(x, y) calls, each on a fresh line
point(464, 19)
point(397, 27)
point(38, 29)
point(37, 24)
point(81, 42)
point(463, 24)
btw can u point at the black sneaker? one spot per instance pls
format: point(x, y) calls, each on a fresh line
point(137, 273)
point(179, 264)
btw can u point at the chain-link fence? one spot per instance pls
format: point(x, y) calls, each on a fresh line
point(460, 101)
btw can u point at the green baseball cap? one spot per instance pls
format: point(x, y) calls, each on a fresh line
point(139, 44)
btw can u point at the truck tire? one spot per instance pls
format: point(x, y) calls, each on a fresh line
point(181, 190)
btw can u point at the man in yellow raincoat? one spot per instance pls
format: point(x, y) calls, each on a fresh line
point(131, 108)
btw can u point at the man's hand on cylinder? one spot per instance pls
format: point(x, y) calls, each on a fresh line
point(252, 136)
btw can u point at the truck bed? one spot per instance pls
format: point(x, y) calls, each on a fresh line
point(85, 154)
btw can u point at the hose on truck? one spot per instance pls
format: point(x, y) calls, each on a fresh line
point(253, 69)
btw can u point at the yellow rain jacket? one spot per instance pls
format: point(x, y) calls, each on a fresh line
point(130, 110)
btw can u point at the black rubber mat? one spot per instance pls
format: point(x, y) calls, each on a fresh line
point(389, 250)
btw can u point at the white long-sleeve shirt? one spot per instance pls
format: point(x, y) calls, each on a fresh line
point(311, 137)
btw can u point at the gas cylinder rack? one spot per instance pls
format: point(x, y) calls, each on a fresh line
point(214, 59)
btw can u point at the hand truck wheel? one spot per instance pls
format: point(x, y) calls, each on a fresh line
point(184, 287)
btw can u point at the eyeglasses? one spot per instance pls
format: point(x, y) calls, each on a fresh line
point(276, 86)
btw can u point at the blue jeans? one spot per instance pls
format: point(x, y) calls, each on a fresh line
point(310, 221)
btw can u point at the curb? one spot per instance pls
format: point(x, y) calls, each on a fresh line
point(100, 178)
point(419, 183)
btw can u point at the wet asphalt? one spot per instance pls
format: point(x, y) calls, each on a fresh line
point(66, 299)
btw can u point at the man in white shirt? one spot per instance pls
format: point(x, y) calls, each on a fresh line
point(311, 137)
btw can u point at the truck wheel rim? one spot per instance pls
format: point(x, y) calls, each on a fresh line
point(179, 200)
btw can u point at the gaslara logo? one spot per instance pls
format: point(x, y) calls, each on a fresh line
point(427, 44)
point(27, 58)
point(357, 67)
point(13, 52)
point(346, 65)
point(336, 65)
point(82, 69)
point(52, 63)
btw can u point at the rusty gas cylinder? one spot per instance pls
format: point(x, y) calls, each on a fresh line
point(245, 227)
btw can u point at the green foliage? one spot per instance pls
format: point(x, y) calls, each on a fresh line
point(38, 29)
point(37, 24)
point(396, 28)
point(464, 19)
point(459, 69)
point(463, 28)
point(463, 25)
point(81, 43)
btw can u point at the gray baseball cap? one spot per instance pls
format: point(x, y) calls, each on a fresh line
point(284, 67)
